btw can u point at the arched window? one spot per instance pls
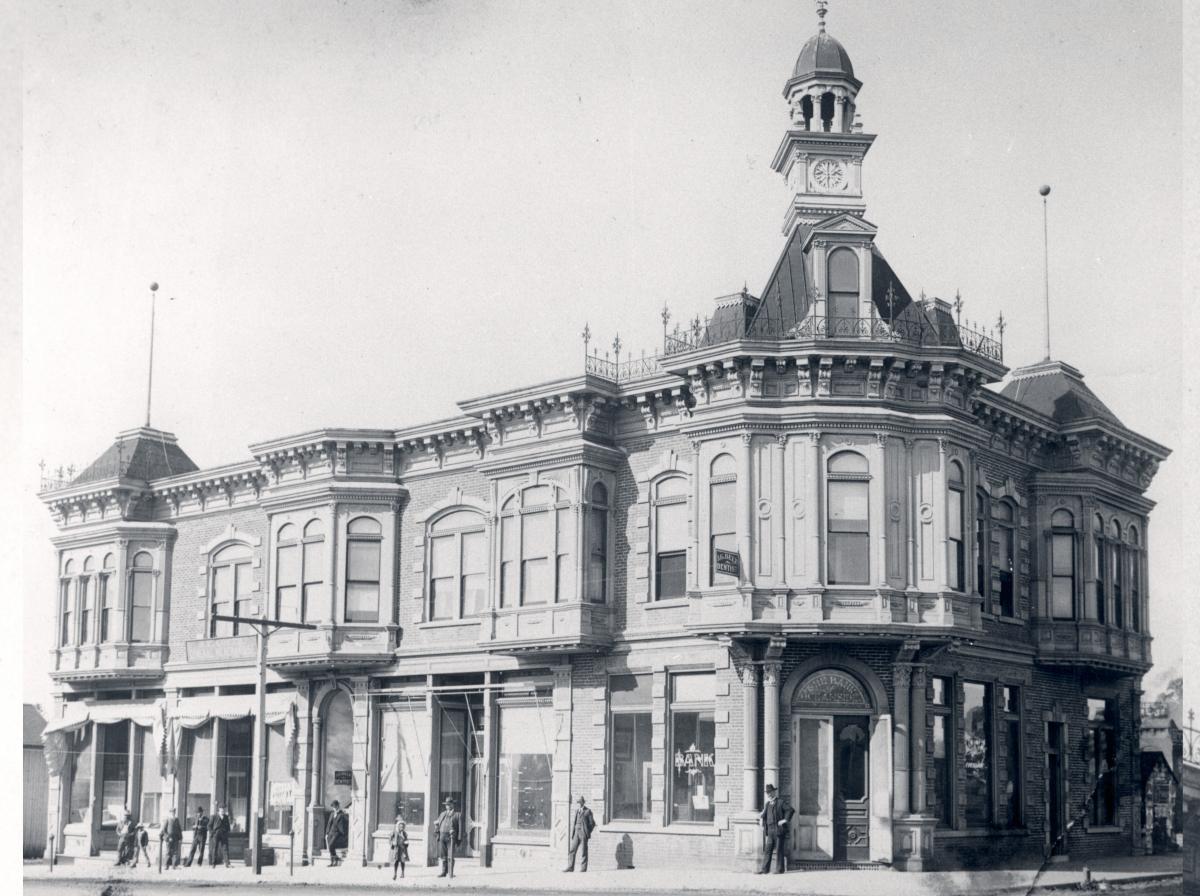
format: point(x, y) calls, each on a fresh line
point(141, 602)
point(1062, 565)
point(848, 519)
point(105, 600)
point(230, 587)
point(1004, 550)
point(956, 526)
point(364, 551)
point(66, 636)
point(87, 607)
point(596, 584)
point(827, 104)
point(983, 547)
point(669, 533)
point(457, 565)
point(842, 280)
point(1135, 580)
point(1100, 563)
point(722, 515)
point(536, 534)
point(299, 571)
point(1116, 573)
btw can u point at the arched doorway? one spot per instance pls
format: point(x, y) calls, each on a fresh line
point(337, 761)
point(832, 715)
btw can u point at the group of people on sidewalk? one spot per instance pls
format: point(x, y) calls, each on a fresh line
point(133, 840)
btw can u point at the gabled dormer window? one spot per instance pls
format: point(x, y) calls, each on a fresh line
point(842, 278)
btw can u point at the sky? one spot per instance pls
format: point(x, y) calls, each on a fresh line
point(367, 211)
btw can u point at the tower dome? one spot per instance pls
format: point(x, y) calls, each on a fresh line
point(822, 54)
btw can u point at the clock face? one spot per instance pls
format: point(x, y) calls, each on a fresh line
point(829, 174)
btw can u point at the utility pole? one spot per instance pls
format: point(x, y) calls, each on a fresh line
point(263, 628)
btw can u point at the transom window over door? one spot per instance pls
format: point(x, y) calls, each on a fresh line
point(364, 548)
point(848, 521)
point(537, 531)
point(299, 571)
point(231, 586)
point(670, 534)
point(457, 565)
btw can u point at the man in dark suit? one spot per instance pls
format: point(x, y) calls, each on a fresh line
point(220, 837)
point(582, 825)
point(448, 830)
point(171, 833)
point(337, 829)
point(776, 817)
point(199, 838)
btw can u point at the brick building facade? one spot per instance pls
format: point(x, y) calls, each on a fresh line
point(825, 540)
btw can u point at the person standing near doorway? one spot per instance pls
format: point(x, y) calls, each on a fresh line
point(582, 825)
point(448, 828)
point(337, 829)
point(220, 837)
point(171, 833)
point(399, 846)
point(126, 839)
point(775, 818)
point(199, 838)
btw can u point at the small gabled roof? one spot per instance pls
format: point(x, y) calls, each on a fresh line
point(1057, 390)
point(143, 453)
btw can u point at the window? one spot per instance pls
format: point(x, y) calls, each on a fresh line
point(104, 600)
point(114, 772)
point(977, 759)
point(198, 768)
point(1010, 706)
point(1004, 517)
point(66, 636)
point(956, 526)
point(943, 751)
point(1135, 577)
point(457, 565)
point(79, 806)
point(722, 515)
point(299, 571)
point(141, 622)
point(1100, 564)
point(150, 811)
point(239, 758)
point(1116, 574)
point(279, 771)
point(364, 545)
point(526, 751)
point(669, 515)
point(404, 773)
point(842, 276)
point(87, 607)
point(1102, 719)
point(537, 530)
point(596, 584)
point(287, 573)
point(631, 769)
point(1062, 565)
point(693, 746)
point(231, 587)
point(849, 537)
point(983, 546)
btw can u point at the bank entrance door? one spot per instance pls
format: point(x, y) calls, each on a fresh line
point(831, 787)
point(461, 768)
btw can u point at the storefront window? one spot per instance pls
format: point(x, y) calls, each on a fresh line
point(279, 781)
point(198, 766)
point(1102, 725)
point(403, 773)
point(977, 758)
point(239, 756)
point(526, 752)
point(80, 805)
point(150, 811)
point(943, 751)
point(693, 746)
point(631, 768)
point(1011, 707)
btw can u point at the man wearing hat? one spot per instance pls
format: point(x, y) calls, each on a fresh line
point(775, 820)
point(337, 829)
point(582, 823)
point(448, 828)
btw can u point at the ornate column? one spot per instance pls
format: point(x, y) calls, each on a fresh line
point(750, 738)
point(560, 787)
point(315, 797)
point(771, 669)
point(917, 739)
point(901, 679)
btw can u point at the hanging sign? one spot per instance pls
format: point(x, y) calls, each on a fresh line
point(343, 778)
point(727, 563)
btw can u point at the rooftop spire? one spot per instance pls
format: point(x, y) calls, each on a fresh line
point(822, 9)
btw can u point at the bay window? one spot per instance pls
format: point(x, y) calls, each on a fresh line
point(526, 756)
point(1116, 572)
point(1135, 580)
point(141, 603)
point(669, 536)
point(87, 608)
point(364, 548)
point(537, 531)
point(630, 769)
point(231, 586)
point(722, 515)
point(1100, 564)
point(66, 635)
point(596, 571)
point(105, 601)
point(847, 522)
point(1062, 565)
point(299, 571)
point(692, 731)
point(457, 565)
point(956, 526)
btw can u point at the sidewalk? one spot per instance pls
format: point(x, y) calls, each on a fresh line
point(649, 880)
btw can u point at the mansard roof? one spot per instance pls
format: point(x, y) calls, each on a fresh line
point(1056, 390)
point(143, 453)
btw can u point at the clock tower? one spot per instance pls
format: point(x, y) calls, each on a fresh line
point(822, 152)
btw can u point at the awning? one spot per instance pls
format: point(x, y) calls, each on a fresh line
point(78, 714)
point(192, 712)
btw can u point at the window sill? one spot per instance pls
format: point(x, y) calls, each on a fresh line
point(1105, 829)
point(630, 826)
point(448, 623)
point(672, 603)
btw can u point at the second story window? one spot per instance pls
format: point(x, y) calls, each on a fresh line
point(956, 526)
point(1116, 570)
point(1099, 562)
point(105, 599)
point(596, 581)
point(141, 598)
point(65, 604)
point(1004, 549)
point(299, 571)
point(1062, 565)
point(848, 521)
point(722, 514)
point(669, 533)
point(457, 565)
point(1135, 576)
point(87, 602)
point(364, 550)
point(231, 588)
point(536, 533)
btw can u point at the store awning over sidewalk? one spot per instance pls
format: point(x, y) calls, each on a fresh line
point(79, 714)
point(192, 712)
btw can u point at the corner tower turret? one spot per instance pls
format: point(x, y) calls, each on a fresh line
point(821, 154)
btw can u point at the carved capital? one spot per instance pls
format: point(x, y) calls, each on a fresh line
point(902, 675)
point(750, 676)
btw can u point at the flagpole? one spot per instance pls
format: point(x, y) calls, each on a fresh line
point(1045, 191)
point(150, 374)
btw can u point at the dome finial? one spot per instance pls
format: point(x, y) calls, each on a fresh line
point(822, 9)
